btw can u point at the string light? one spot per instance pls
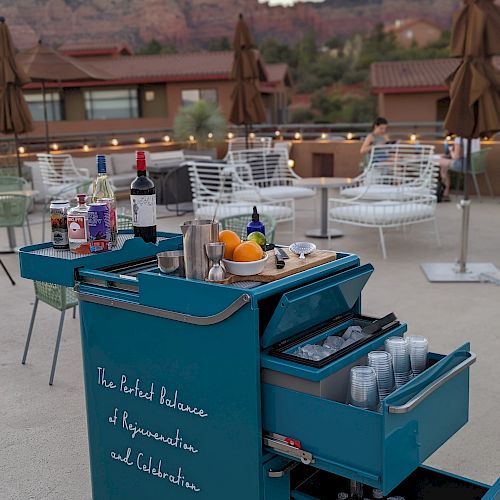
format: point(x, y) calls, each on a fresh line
point(114, 142)
point(448, 137)
point(166, 138)
point(21, 150)
point(230, 135)
point(86, 147)
point(54, 146)
point(251, 135)
point(141, 140)
point(210, 135)
point(350, 135)
point(324, 136)
point(297, 136)
point(413, 137)
point(191, 138)
point(277, 133)
point(291, 163)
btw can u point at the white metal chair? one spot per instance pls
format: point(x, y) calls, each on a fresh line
point(61, 178)
point(404, 208)
point(393, 165)
point(217, 187)
point(270, 173)
point(239, 143)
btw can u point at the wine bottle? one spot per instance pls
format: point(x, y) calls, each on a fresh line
point(103, 191)
point(143, 202)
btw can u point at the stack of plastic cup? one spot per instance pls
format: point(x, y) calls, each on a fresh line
point(381, 362)
point(399, 348)
point(363, 390)
point(419, 347)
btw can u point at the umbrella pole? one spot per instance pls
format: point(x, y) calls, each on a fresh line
point(18, 158)
point(465, 206)
point(46, 121)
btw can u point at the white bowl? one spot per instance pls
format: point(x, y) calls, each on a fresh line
point(245, 268)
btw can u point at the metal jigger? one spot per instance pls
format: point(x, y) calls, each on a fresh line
point(215, 252)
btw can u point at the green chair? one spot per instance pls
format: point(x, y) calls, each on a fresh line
point(14, 183)
point(13, 213)
point(238, 224)
point(60, 298)
point(478, 166)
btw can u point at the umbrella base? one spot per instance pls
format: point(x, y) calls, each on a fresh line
point(448, 272)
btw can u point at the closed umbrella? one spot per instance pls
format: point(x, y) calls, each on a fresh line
point(44, 64)
point(474, 110)
point(247, 106)
point(15, 117)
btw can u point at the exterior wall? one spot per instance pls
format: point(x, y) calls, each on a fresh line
point(74, 104)
point(157, 108)
point(174, 96)
point(422, 34)
point(411, 107)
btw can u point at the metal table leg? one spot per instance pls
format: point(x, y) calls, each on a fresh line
point(323, 232)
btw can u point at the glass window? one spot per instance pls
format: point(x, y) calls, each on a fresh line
point(52, 103)
point(108, 104)
point(190, 96)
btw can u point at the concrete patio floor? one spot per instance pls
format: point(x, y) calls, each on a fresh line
point(43, 438)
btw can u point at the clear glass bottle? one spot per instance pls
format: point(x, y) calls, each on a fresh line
point(103, 191)
point(78, 227)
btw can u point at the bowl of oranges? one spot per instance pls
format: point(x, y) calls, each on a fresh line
point(242, 258)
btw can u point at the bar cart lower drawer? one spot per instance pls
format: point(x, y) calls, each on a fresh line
point(379, 449)
point(425, 483)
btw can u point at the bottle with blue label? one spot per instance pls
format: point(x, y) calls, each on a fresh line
point(255, 224)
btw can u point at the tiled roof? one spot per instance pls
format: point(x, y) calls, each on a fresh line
point(87, 48)
point(167, 65)
point(403, 75)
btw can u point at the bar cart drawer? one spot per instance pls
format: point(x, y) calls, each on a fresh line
point(425, 483)
point(377, 449)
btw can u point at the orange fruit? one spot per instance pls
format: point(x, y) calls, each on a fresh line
point(248, 251)
point(231, 240)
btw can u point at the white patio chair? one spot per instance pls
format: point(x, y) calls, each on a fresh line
point(217, 186)
point(392, 165)
point(61, 179)
point(270, 174)
point(239, 143)
point(405, 208)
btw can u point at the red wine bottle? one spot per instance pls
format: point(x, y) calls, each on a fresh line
point(143, 202)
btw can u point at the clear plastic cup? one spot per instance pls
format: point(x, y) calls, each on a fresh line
point(419, 348)
point(363, 389)
point(399, 348)
point(381, 362)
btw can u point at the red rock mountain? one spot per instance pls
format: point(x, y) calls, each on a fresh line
point(190, 23)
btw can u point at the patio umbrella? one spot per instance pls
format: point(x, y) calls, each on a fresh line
point(15, 116)
point(247, 106)
point(44, 64)
point(474, 110)
point(474, 86)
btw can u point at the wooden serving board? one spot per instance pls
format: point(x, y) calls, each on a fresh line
point(293, 265)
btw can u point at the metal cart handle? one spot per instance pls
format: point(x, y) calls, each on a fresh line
point(424, 393)
point(162, 313)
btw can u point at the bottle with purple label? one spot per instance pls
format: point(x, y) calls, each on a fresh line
point(99, 226)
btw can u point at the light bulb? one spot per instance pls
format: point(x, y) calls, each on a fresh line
point(230, 135)
point(210, 135)
point(251, 135)
point(21, 150)
point(324, 135)
point(114, 142)
point(191, 138)
point(350, 135)
point(448, 137)
point(297, 136)
point(86, 147)
point(413, 137)
point(277, 133)
point(54, 146)
point(291, 163)
point(141, 140)
point(166, 138)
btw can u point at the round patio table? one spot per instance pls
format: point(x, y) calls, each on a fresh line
point(324, 184)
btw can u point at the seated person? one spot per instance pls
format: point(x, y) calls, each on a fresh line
point(377, 136)
point(456, 162)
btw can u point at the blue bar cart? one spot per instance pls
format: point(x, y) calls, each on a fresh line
point(193, 391)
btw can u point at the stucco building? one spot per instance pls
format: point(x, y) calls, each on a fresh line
point(408, 32)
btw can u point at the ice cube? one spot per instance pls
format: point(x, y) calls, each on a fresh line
point(350, 330)
point(333, 342)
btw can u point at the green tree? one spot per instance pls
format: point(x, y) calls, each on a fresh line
point(301, 115)
point(218, 44)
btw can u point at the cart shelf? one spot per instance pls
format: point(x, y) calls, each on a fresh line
point(44, 263)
